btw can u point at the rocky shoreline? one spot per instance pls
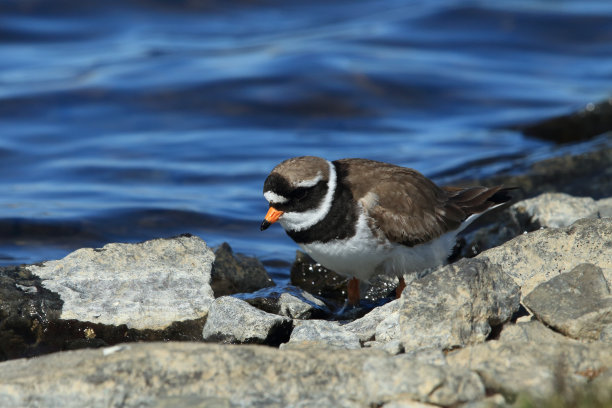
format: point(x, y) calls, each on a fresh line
point(525, 314)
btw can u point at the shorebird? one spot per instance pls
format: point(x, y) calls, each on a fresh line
point(361, 218)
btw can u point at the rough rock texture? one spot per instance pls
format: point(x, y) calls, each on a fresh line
point(555, 210)
point(456, 305)
point(304, 307)
point(577, 303)
point(232, 320)
point(511, 367)
point(137, 375)
point(533, 258)
point(549, 210)
point(235, 273)
point(532, 331)
point(144, 286)
point(322, 333)
point(289, 302)
point(366, 327)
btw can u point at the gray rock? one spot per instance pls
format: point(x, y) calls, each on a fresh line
point(236, 273)
point(387, 378)
point(555, 210)
point(577, 303)
point(322, 333)
point(295, 307)
point(606, 333)
point(539, 369)
point(392, 347)
point(548, 210)
point(456, 305)
point(232, 320)
point(532, 331)
point(144, 286)
point(533, 258)
point(365, 327)
point(168, 374)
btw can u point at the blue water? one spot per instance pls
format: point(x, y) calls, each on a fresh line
point(124, 121)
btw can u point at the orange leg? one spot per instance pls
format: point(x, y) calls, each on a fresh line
point(400, 287)
point(353, 292)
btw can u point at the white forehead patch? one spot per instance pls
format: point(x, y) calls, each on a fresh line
point(272, 197)
point(310, 183)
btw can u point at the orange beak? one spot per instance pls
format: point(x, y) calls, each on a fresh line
point(271, 217)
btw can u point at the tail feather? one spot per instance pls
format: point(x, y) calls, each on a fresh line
point(476, 200)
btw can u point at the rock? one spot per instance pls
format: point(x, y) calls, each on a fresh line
point(156, 290)
point(585, 124)
point(533, 258)
point(456, 305)
point(183, 374)
point(232, 320)
point(533, 331)
point(549, 210)
point(539, 369)
point(577, 303)
point(237, 273)
point(365, 327)
point(144, 286)
point(322, 333)
point(555, 210)
point(582, 175)
point(304, 307)
point(385, 378)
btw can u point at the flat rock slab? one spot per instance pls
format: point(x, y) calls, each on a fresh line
point(456, 305)
point(144, 286)
point(145, 374)
point(577, 303)
point(232, 320)
point(537, 257)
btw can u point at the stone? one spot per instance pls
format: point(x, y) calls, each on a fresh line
point(237, 273)
point(148, 285)
point(413, 379)
point(538, 256)
point(232, 320)
point(555, 210)
point(456, 305)
point(289, 302)
point(576, 303)
point(322, 333)
point(200, 374)
point(538, 369)
point(532, 331)
point(305, 306)
point(366, 326)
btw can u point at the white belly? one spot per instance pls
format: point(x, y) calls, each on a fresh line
point(364, 255)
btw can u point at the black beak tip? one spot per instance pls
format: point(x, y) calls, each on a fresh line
point(264, 225)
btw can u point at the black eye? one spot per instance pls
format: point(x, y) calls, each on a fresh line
point(299, 193)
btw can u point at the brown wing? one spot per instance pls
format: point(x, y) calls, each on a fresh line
point(408, 207)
